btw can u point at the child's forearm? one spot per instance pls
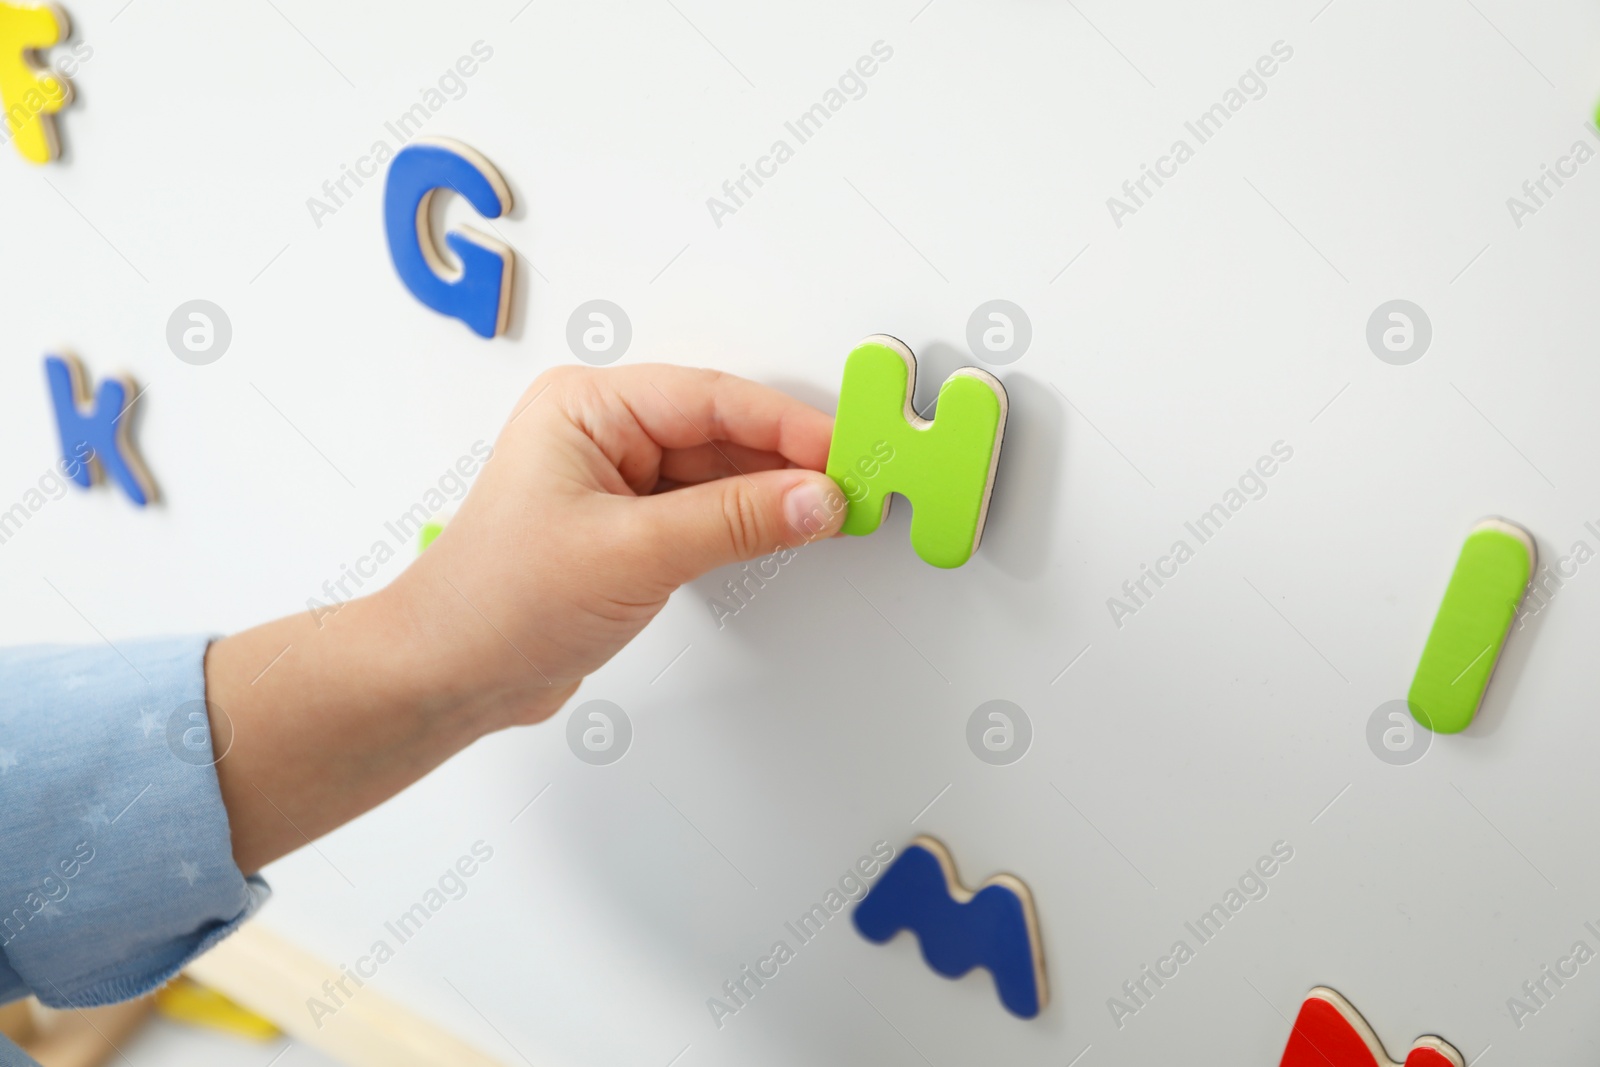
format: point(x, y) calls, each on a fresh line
point(315, 725)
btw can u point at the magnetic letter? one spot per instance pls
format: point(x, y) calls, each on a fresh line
point(945, 467)
point(993, 926)
point(1479, 606)
point(480, 293)
point(1329, 1032)
point(99, 435)
point(31, 94)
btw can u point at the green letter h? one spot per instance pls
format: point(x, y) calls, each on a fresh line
point(945, 468)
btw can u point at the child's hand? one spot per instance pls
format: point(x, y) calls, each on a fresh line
point(608, 490)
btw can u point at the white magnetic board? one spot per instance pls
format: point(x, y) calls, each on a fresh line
point(1224, 315)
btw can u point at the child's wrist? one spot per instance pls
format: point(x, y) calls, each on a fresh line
point(461, 680)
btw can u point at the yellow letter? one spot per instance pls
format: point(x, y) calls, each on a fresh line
point(31, 94)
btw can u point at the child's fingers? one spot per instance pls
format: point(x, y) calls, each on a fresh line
point(710, 461)
point(680, 407)
point(698, 528)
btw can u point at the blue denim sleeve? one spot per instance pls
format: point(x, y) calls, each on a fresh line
point(12, 1056)
point(116, 866)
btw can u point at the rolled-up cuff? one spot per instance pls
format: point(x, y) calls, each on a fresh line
point(116, 864)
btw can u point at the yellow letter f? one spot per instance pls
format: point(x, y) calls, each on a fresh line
point(31, 94)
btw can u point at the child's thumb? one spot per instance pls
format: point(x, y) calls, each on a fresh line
point(730, 520)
